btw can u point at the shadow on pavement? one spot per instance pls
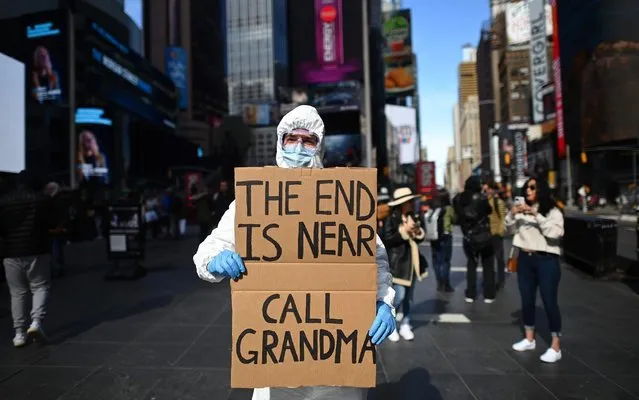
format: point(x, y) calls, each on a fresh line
point(414, 385)
point(430, 306)
point(542, 329)
point(61, 333)
point(631, 276)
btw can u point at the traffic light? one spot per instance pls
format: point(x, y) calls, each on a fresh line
point(584, 157)
point(507, 158)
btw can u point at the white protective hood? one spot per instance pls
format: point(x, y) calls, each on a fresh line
point(301, 117)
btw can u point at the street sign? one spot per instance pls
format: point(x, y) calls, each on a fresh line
point(125, 236)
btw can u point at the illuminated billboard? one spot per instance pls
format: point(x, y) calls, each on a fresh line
point(335, 27)
point(45, 39)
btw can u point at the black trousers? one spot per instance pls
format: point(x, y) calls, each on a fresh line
point(500, 262)
point(474, 256)
point(205, 230)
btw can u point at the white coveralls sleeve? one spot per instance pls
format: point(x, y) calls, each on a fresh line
point(222, 238)
point(385, 291)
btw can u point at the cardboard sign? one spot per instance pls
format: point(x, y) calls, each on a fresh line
point(302, 312)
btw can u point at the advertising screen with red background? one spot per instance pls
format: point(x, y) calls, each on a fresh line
point(426, 183)
point(333, 51)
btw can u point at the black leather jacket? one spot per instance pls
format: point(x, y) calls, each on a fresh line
point(399, 251)
point(25, 220)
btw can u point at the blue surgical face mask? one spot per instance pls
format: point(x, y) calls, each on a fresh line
point(298, 156)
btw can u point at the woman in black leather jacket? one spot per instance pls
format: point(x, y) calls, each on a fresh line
point(401, 234)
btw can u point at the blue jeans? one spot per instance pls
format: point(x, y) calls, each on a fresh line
point(539, 270)
point(442, 254)
point(403, 298)
point(57, 252)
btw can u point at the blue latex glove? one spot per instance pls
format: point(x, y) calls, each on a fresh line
point(228, 264)
point(384, 323)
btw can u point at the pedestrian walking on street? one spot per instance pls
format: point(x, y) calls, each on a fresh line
point(25, 221)
point(539, 227)
point(59, 219)
point(439, 221)
point(221, 201)
point(498, 230)
point(204, 209)
point(402, 235)
point(299, 144)
point(473, 211)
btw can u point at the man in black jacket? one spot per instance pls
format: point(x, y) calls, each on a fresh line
point(473, 211)
point(59, 216)
point(25, 220)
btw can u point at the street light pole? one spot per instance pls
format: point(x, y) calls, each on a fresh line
point(368, 132)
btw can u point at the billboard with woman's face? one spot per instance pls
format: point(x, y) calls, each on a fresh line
point(94, 146)
point(45, 38)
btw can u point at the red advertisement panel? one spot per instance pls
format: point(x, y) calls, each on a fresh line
point(191, 179)
point(556, 66)
point(426, 183)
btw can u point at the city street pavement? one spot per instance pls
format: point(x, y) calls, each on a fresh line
point(167, 336)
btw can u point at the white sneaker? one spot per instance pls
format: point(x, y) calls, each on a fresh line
point(469, 300)
point(489, 301)
point(406, 332)
point(399, 316)
point(35, 333)
point(20, 339)
point(394, 337)
point(551, 356)
point(525, 345)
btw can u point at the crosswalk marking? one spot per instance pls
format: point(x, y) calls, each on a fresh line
point(452, 318)
point(443, 318)
point(463, 269)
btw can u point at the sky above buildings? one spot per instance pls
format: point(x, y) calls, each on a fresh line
point(440, 29)
point(133, 8)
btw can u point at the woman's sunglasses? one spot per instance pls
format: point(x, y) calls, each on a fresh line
point(532, 187)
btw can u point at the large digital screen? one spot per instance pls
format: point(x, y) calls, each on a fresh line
point(325, 97)
point(45, 40)
point(342, 150)
point(599, 52)
point(397, 33)
point(94, 135)
point(119, 74)
point(403, 121)
point(333, 50)
point(176, 65)
point(12, 150)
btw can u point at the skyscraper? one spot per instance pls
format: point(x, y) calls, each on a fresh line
point(467, 74)
point(257, 53)
point(185, 38)
point(390, 5)
point(468, 112)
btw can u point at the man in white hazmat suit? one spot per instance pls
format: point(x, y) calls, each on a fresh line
point(299, 144)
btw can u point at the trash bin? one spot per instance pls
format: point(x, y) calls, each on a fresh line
point(590, 244)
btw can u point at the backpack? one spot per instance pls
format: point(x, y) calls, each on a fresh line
point(432, 221)
point(476, 228)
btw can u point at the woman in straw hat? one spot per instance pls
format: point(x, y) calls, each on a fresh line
point(401, 234)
